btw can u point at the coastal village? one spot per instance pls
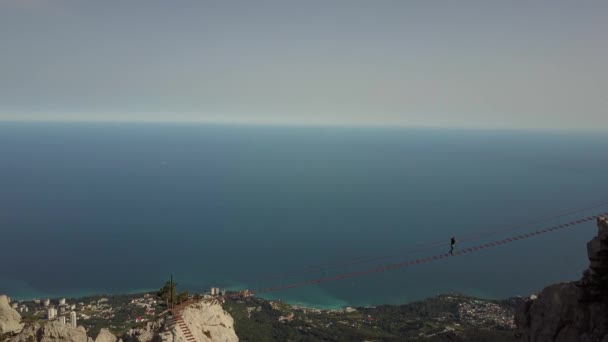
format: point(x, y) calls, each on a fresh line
point(119, 313)
point(134, 317)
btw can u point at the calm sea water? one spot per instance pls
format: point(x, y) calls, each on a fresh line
point(111, 208)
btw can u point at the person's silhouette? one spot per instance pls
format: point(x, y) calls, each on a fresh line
point(452, 243)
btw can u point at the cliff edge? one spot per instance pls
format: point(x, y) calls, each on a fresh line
point(10, 320)
point(52, 331)
point(574, 311)
point(201, 321)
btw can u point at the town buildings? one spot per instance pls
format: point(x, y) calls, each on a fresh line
point(51, 313)
point(73, 320)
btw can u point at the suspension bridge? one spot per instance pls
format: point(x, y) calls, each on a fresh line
point(515, 233)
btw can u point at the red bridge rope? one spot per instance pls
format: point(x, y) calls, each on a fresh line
point(413, 262)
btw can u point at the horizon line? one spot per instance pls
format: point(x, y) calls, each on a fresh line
point(263, 123)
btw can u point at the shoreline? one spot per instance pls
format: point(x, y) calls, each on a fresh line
point(294, 303)
point(85, 294)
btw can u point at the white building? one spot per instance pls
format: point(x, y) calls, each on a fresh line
point(215, 291)
point(62, 301)
point(73, 321)
point(46, 302)
point(51, 313)
point(14, 305)
point(62, 319)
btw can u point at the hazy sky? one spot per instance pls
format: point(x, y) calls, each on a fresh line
point(504, 64)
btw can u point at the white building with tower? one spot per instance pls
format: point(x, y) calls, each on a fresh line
point(73, 320)
point(51, 313)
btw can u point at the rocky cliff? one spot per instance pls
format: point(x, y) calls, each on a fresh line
point(144, 334)
point(10, 320)
point(203, 321)
point(575, 311)
point(52, 331)
point(105, 336)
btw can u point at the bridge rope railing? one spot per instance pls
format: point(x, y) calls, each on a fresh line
point(429, 259)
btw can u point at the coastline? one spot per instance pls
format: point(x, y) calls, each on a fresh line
point(338, 305)
point(84, 294)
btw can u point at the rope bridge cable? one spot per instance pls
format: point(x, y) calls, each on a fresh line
point(563, 213)
point(430, 245)
point(437, 257)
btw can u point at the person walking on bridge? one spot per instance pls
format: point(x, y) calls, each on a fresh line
point(452, 243)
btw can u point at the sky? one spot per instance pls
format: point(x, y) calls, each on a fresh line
point(466, 64)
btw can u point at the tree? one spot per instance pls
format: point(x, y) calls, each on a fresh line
point(183, 297)
point(168, 292)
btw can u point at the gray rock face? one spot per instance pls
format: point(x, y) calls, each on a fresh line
point(57, 332)
point(10, 320)
point(52, 331)
point(105, 336)
point(203, 321)
point(28, 334)
point(575, 311)
point(146, 334)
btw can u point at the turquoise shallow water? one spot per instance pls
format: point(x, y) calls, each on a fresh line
point(109, 208)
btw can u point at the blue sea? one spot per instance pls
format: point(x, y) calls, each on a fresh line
point(113, 208)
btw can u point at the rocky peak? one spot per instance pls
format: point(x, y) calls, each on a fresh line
point(201, 321)
point(105, 336)
point(575, 311)
point(10, 320)
point(595, 279)
point(52, 331)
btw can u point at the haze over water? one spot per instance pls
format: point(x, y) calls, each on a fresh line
point(113, 208)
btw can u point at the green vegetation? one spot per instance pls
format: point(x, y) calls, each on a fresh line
point(168, 293)
point(182, 297)
point(436, 319)
point(118, 321)
point(442, 318)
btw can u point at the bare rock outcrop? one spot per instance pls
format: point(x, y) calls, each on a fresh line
point(105, 336)
point(203, 321)
point(10, 320)
point(52, 331)
point(575, 311)
point(28, 334)
point(55, 331)
point(139, 335)
point(147, 334)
